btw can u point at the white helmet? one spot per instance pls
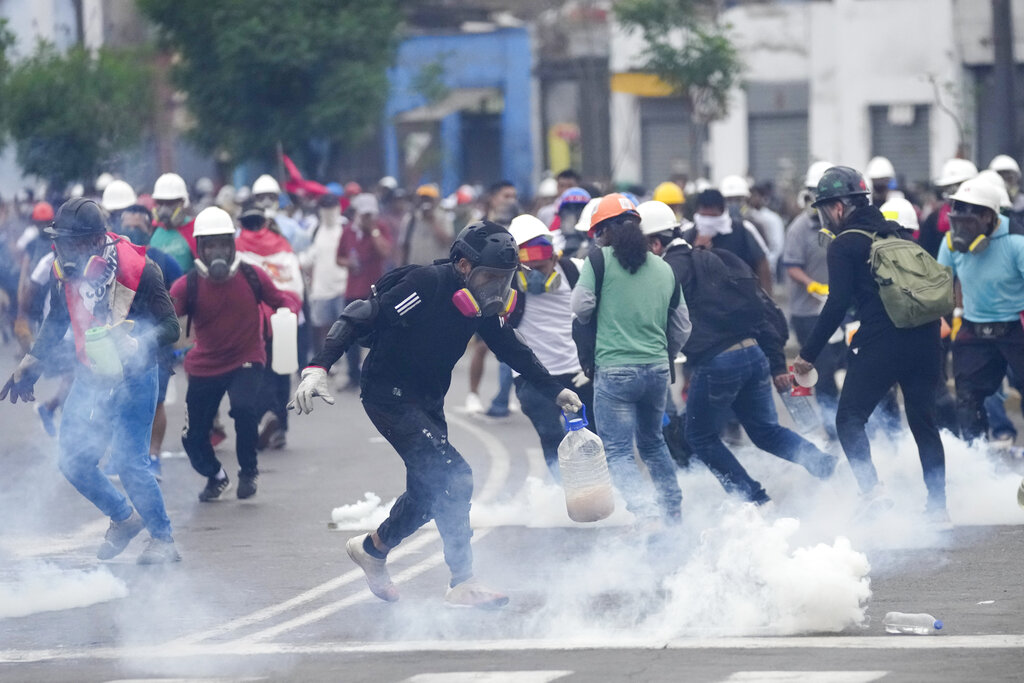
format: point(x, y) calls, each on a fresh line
point(388, 182)
point(170, 186)
point(77, 190)
point(213, 220)
point(734, 186)
point(902, 211)
point(583, 224)
point(266, 184)
point(814, 173)
point(1004, 162)
point(657, 217)
point(956, 171)
point(879, 167)
point(102, 180)
point(997, 182)
point(548, 188)
point(118, 195)
point(526, 227)
point(204, 186)
point(979, 192)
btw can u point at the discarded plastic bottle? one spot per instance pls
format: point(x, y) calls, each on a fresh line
point(911, 624)
point(284, 346)
point(585, 478)
point(802, 407)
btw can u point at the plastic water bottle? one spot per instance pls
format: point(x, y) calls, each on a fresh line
point(585, 478)
point(285, 348)
point(802, 407)
point(102, 353)
point(911, 624)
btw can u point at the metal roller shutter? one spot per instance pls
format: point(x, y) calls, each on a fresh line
point(665, 138)
point(903, 139)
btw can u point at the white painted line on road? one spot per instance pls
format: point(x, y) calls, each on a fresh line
point(89, 534)
point(497, 473)
point(247, 649)
point(327, 610)
point(804, 676)
point(489, 677)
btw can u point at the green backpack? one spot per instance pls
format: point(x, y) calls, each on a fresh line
point(915, 289)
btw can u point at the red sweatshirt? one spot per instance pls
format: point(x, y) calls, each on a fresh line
point(227, 322)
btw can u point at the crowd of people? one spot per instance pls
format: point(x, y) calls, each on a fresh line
point(589, 298)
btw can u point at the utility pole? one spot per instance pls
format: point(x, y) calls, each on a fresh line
point(1002, 38)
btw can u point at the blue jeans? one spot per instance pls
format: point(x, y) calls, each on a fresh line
point(96, 417)
point(499, 404)
point(741, 380)
point(629, 401)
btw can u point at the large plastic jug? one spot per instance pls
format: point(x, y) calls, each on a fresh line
point(285, 326)
point(585, 478)
point(101, 350)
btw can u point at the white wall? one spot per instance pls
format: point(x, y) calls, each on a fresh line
point(854, 53)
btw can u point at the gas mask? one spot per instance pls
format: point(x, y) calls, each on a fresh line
point(488, 292)
point(969, 231)
point(568, 217)
point(534, 281)
point(218, 259)
point(80, 257)
point(170, 215)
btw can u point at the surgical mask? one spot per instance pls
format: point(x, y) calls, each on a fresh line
point(488, 292)
point(713, 225)
point(534, 281)
point(968, 233)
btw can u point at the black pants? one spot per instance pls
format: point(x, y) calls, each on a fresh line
point(274, 393)
point(438, 481)
point(201, 403)
point(979, 364)
point(546, 416)
point(912, 359)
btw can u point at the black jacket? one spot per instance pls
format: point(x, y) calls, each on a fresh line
point(420, 336)
point(706, 340)
point(852, 285)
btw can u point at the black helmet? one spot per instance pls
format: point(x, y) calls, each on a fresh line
point(78, 217)
point(486, 244)
point(838, 182)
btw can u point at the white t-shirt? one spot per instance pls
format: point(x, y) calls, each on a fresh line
point(547, 328)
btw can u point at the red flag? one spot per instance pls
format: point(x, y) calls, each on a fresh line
point(289, 165)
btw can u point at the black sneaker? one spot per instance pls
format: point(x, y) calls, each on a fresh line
point(247, 485)
point(119, 535)
point(214, 488)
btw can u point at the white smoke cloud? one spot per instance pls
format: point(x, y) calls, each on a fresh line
point(44, 587)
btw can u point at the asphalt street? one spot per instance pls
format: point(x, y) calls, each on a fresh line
point(266, 592)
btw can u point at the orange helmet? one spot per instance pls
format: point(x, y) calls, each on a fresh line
point(42, 212)
point(611, 206)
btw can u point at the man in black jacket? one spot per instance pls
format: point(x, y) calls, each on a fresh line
point(880, 353)
point(420, 327)
point(739, 351)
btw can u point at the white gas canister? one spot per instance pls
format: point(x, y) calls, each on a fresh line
point(285, 326)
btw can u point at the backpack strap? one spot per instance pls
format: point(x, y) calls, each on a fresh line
point(572, 273)
point(249, 271)
point(870, 235)
point(191, 294)
point(597, 263)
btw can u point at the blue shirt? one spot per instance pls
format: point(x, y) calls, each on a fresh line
point(992, 282)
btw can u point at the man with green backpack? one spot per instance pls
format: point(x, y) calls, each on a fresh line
point(899, 292)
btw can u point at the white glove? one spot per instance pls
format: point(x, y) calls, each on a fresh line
point(568, 401)
point(314, 383)
point(579, 379)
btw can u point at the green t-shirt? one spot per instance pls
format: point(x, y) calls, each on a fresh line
point(633, 312)
point(174, 244)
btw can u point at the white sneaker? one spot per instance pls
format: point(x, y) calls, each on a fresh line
point(471, 593)
point(473, 403)
point(513, 405)
point(377, 577)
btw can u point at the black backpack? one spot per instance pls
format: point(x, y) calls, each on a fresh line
point(192, 293)
point(728, 296)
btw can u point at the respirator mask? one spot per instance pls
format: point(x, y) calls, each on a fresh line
point(81, 257)
point(488, 292)
point(218, 259)
point(968, 233)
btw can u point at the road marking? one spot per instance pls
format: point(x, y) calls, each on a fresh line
point(247, 649)
point(497, 476)
point(489, 677)
point(89, 534)
point(802, 676)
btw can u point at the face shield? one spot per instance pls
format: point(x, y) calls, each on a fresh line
point(491, 287)
point(80, 256)
point(217, 257)
point(969, 227)
point(568, 216)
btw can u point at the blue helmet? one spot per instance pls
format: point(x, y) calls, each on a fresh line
point(574, 195)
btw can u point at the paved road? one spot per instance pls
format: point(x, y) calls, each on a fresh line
point(265, 591)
